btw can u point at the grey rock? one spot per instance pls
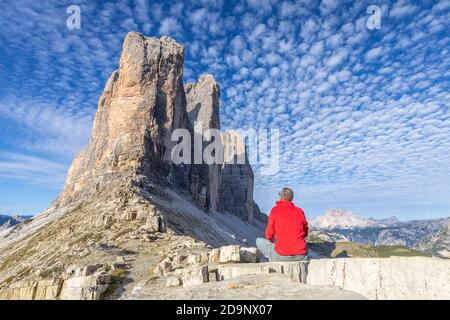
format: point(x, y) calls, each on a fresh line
point(203, 107)
point(384, 278)
point(214, 255)
point(230, 254)
point(213, 275)
point(237, 182)
point(250, 287)
point(156, 223)
point(194, 259)
point(195, 275)
point(173, 281)
point(85, 287)
point(249, 255)
point(178, 261)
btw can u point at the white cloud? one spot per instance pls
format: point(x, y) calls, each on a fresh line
point(337, 58)
point(259, 73)
point(316, 48)
point(401, 9)
point(57, 130)
point(237, 44)
point(373, 53)
point(198, 16)
point(441, 5)
point(31, 169)
point(169, 26)
point(328, 6)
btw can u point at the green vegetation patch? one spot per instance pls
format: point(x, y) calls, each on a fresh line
point(353, 249)
point(401, 251)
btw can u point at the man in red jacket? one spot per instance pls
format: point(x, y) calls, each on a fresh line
point(288, 225)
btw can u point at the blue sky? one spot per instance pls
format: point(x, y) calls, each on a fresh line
point(364, 115)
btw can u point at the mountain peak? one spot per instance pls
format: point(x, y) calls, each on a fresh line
point(142, 103)
point(341, 219)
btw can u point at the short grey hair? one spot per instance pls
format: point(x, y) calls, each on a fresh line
point(287, 194)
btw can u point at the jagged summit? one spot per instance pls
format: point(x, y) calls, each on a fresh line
point(203, 102)
point(142, 104)
point(7, 221)
point(203, 108)
point(336, 218)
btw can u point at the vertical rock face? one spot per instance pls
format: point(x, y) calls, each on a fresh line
point(237, 182)
point(142, 103)
point(226, 187)
point(236, 190)
point(203, 107)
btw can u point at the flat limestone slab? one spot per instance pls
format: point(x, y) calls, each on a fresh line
point(346, 278)
point(385, 278)
point(295, 271)
point(271, 286)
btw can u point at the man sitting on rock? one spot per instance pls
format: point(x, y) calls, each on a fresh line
point(288, 225)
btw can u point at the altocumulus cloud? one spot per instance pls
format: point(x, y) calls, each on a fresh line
point(363, 114)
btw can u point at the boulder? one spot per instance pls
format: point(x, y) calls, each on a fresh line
point(178, 261)
point(173, 281)
point(194, 259)
point(87, 283)
point(249, 255)
point(195, 276)
point(204, 257)
point(165, 266)
point(85, 287)
point(155, 223)
point(230, 254)
point(213, 275)
point(214, 255)
point(158, 271)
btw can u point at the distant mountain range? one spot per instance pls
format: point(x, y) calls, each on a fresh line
point(431, 235)
point(341, 219)
point(437, 243)
point(11, 221)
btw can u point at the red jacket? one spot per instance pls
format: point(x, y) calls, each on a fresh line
point(290, 228)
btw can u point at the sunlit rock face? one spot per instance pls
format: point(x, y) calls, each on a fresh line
point(142, 103)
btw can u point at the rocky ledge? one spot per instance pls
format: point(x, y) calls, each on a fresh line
point(234, 272)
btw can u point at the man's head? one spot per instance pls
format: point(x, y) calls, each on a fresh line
point(286, 194)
